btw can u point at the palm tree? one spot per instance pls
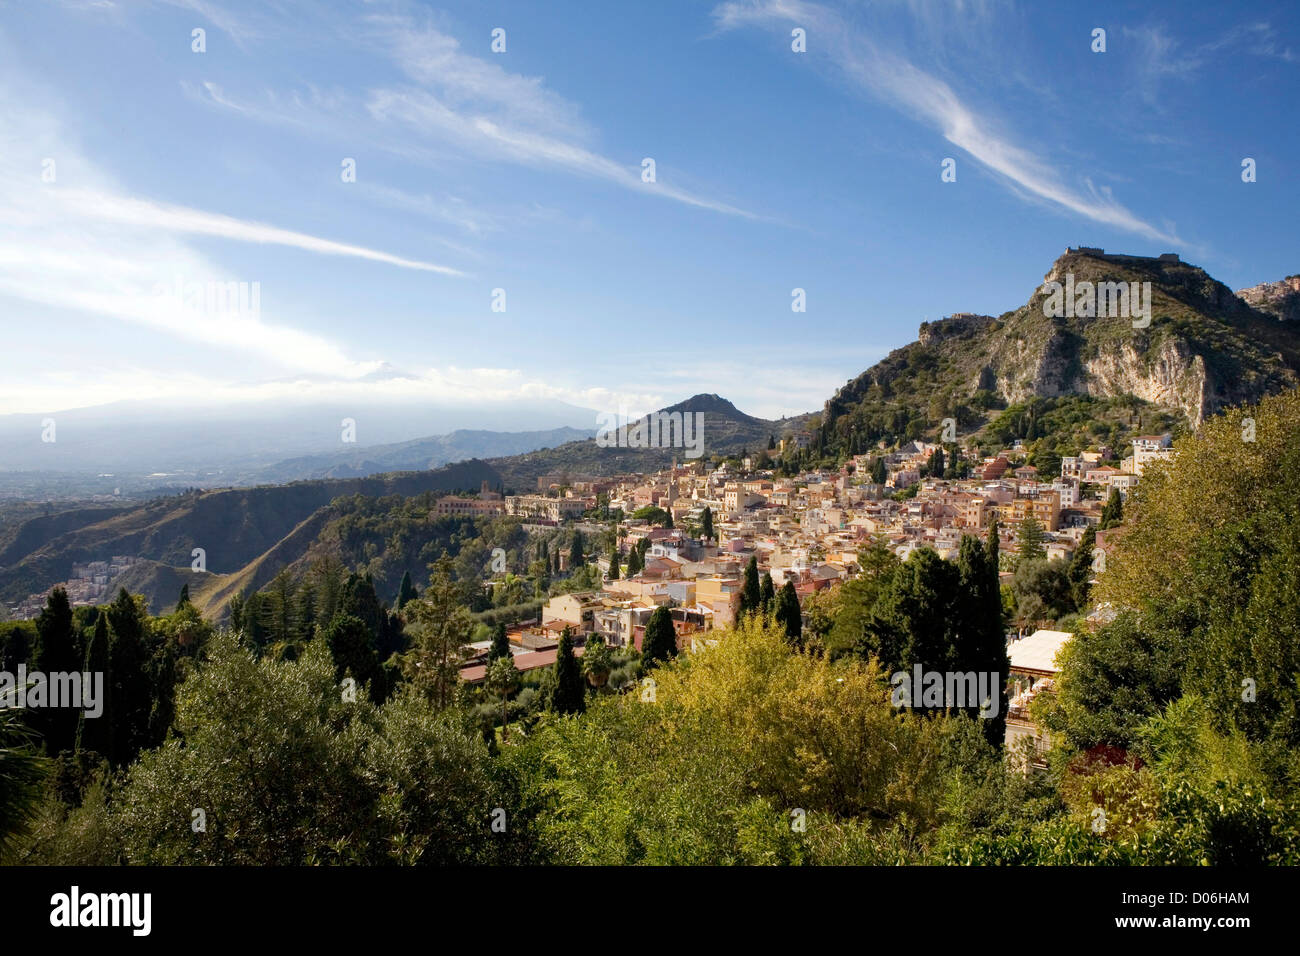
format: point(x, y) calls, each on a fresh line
point(503, 680)
point(597, 661)
point(22, 771)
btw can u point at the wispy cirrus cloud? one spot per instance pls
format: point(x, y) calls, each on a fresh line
point(1161, 56)
point(454, 101)
point(181, 219)
point(895, 81)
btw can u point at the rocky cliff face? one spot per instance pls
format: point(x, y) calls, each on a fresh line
point(1204, 347)
point(1168, 375)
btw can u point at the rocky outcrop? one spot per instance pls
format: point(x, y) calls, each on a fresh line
point(1204, 347)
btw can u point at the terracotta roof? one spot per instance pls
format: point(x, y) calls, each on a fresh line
point(529, 661)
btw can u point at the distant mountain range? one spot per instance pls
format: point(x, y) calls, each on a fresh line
point(417, 455)
point(206, 446)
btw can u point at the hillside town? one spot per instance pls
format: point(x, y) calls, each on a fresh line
point(89, 584)
point(805, 529)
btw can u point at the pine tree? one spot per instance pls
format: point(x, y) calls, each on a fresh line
point(660, 641)
point(328, 576)
point(439, 627)
point(789, 615)
point(1029, 537)
point(569, 697)
point(306, 613)
point(282, 600)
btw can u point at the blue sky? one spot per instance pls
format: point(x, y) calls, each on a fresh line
point(522, 171)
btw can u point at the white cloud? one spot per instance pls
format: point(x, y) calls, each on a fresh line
point(180, 219)
point(900, 84)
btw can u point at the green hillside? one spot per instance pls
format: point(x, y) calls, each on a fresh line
point(232, 526)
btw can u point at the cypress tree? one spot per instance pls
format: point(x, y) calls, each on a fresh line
point(1113, 512)
point(982, 643)
point(767, 594)
point(500, 646)
point(660, 641)
point(95, 733)
point(751, 592)
point(352, 645)
point(613, 566)
point(569, 697)
point(914, 621)
point(576, 552)
point(128, 661)
point(360, 600)
point(405, 591)
point(706, 522)
point(184, 598)
point(1081, 568)
point(57, 651)
point(788, 614)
